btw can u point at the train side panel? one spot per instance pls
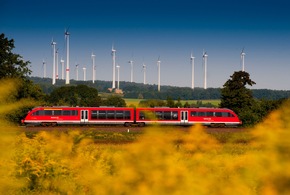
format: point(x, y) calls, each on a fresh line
point(213, 116)
point(163, 116)
point(79, 115)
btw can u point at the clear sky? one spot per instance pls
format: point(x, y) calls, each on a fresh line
point(144, 30)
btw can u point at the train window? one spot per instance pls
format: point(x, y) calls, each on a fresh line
point(66, 113)
point(174, 115)
point(119, 114)
point(57, 112)
point(127, 115)
point(74, 112)
point(159, 115)
point(142, 116)
point(94, 114)
point(201, 113)
point(111, 114)
point(48, 112)
point(38, 113)
point(193, 113)
point(218, 114)
point(224, 114)
point(102, 114)
point(209, 113)
point(167, 115)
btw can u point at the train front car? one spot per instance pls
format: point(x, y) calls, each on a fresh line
point(214, 117)
point(51, 116)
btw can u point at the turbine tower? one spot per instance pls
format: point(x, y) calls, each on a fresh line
point(158, 64)
point(118, 76)
point(84, 70)
point(205, 69)
point(56, 62)
point(62, 68)
point(243, 59)
point(114, 66)
point(44, 68)
point(53, 66)
point(94, 68)
point(144, 73)
point(131, 63)
point(192, 70)
point(66, 35)
point(77, 72)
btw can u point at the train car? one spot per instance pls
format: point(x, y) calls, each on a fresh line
point(216, 117)
point(160, 115)
point(51, 116)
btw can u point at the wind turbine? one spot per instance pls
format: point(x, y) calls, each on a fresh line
point(192, 70)
point(84, 70)
point(44, 68)
point(118, 76)
point(243, 59)
point(204, 57)
point(114, 65)
point(62, 68)
point(131, 63)
point(66, 35)
point(56, 74)
point(77, 72)
point(94, 68)
point(144, 73)
point(158, 64)
point(53, 66)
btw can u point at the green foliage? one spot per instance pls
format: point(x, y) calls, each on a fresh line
point(237, 97)
point(170, 102)
point(80, 95)
point(152, 103)
point(11, 65)
point(114, 100)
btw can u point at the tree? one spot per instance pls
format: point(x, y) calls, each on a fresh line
point(11, 65)
point(235, 95)
point(116, 101)
point(170, 102)
point(80, 95)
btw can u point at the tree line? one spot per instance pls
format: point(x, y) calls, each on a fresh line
point(251, 105)
point(141, 91)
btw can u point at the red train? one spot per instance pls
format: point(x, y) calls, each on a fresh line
point(51, 116)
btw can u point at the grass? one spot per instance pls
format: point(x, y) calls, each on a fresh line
point(135, 102)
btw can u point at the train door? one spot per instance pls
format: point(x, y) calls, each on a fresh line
point(184, 117)
point(84, 116)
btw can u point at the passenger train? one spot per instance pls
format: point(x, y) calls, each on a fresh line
point(52, 116)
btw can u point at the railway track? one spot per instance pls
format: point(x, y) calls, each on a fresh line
point(125, 129)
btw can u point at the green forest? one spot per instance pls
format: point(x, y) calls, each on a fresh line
point(141, 91)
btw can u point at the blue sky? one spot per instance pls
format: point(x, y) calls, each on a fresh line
point(145, 30)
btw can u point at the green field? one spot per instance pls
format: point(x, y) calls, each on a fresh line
point(135, 102)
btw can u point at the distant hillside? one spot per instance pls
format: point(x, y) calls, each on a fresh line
point(141, 91)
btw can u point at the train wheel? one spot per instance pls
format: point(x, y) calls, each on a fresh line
point(127, 124)
point(141, 124)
